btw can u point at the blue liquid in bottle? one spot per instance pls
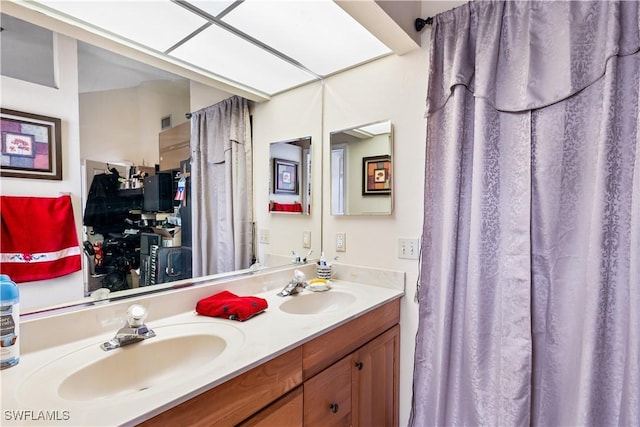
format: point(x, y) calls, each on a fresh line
point(9, 322)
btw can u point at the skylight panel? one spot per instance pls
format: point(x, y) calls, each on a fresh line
point(220, 52)
point(157, 24)
point(318, 34)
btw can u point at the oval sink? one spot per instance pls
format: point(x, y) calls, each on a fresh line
point(175, 353)
point(318, 302)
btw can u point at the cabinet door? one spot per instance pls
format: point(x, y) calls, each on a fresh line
point(284, 412)
point(327, 396)
point(375, 381)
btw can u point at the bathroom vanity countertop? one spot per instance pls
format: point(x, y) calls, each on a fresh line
point(257, 340)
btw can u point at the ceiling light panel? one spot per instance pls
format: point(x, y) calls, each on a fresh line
point(317, 33)
point(212, 7)
point(158, 24)
point(220, 52)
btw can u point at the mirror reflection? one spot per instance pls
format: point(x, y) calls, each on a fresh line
point(125, 108)
point(290, 176)
point(361, 170)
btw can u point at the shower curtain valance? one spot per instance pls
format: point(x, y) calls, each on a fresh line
point(519, 68)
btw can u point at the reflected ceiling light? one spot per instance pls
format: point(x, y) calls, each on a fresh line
point(377, 128)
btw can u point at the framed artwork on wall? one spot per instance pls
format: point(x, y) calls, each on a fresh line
point(286, 177)
point(31, 146)
point(376, 178)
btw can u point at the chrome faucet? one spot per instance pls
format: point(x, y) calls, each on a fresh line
point(135, 330)
point(295, 285)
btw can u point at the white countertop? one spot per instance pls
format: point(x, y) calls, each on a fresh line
point(262, 337)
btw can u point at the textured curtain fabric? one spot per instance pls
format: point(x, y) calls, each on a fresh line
point(221, 184)
point(530, 286)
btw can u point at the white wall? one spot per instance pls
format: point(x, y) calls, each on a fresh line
point(393, 88)
point(61, 103)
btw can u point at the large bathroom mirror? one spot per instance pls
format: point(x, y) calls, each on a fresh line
point(290, 177)
point(362, 170)
point(122, 107)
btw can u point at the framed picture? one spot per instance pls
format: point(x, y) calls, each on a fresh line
point(376, 178)
point(285, 174)
point(31, 146)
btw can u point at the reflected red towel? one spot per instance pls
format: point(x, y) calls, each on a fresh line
point(230, 306)
point(38, 239)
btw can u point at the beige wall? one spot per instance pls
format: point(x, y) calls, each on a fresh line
point(392, 88)
point(291, 115)
point(123, 124)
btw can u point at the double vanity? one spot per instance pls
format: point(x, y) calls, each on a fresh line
point(315, 358)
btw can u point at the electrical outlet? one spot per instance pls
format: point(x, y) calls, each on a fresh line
point(264, 236)
point(341, 242)
point(306, 239)
point(408, 248)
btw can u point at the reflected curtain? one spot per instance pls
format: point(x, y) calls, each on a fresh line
point(222, 187)
point(529, 296)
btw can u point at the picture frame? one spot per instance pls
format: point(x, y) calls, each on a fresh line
point(285, 174)
point(376, 175)
point(30, 145)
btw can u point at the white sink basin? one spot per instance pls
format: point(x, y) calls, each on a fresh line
point(318, 302)
point(177, 352)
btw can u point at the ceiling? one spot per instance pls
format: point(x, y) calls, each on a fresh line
point(263, 46)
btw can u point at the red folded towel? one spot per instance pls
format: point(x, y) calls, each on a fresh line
point(230, 306)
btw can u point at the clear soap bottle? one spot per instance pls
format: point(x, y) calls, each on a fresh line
point(9, 322)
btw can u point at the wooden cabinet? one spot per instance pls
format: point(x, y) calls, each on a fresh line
point(360, 389)
point(346, 377)
point(376, 371)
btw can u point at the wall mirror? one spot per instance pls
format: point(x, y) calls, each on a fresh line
point(130, 89)
point(290, 177)
point(362, 170)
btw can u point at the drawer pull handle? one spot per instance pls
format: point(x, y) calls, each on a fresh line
point(359, 365)
point(334, 407)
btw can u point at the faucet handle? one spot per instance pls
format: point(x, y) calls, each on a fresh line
point(136, 314)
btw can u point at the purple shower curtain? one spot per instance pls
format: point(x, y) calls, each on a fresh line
point(530, 286)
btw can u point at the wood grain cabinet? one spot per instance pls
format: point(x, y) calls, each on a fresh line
point(348, 376)
point(376, 376)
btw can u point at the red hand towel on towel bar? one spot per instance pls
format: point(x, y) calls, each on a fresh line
point(230, 306)
point(38, 239)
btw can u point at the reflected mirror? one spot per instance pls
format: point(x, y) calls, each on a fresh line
point(290, 177)
point(361, 170)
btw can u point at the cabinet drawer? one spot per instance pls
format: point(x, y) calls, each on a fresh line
point(327, 396)
point(285, 412)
